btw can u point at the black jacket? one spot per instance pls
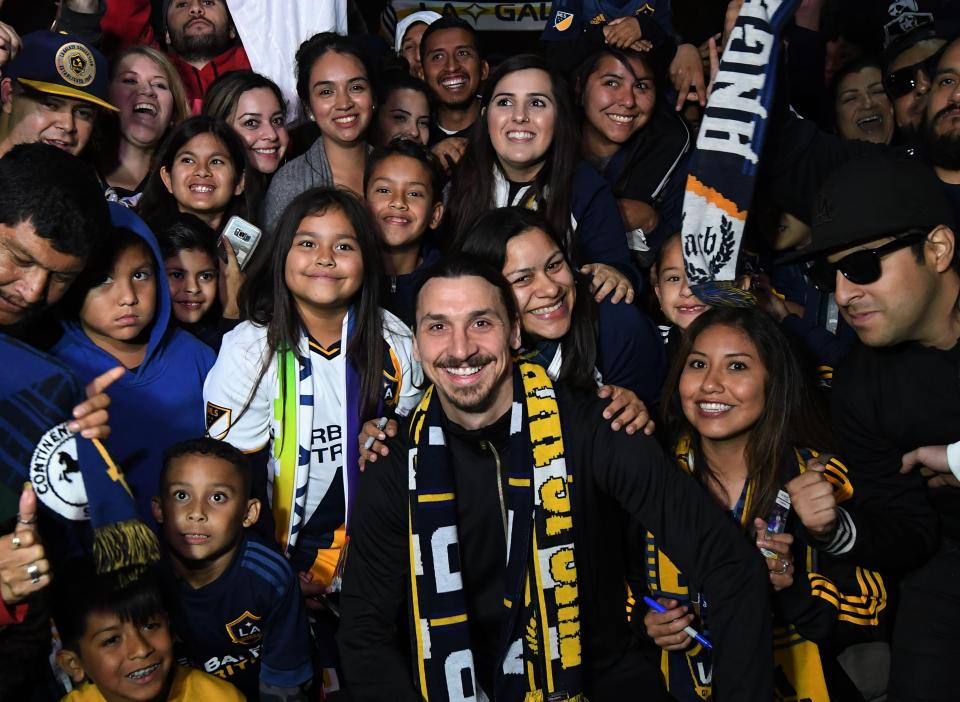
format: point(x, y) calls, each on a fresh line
point(615, 475)
point(886, 402)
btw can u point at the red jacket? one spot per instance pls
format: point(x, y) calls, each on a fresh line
point(127, 22)
point(16, 615)
point(197, 81)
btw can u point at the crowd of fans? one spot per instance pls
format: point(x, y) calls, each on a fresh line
point(397, 388)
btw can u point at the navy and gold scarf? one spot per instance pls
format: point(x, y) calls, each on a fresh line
point(540, 637)
point(723, 167)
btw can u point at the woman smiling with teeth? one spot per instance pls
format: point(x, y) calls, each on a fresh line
point(152, 101)
point(334, 86)
point(254, 106)
point(578, 341)
point(524, 153)
point(638, 144)
point(743, 420)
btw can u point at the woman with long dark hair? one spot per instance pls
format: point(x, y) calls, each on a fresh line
point(747, 429)
point(525, 151)
point(577, 339)
point(639, 145)
point(254, 106)
point(335, 86)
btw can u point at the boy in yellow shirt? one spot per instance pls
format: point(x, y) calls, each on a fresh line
point(117, 645)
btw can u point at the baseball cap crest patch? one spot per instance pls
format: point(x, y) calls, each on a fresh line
point(76, 64)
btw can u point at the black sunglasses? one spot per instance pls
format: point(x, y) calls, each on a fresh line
point(860, 267)
point(904, 80)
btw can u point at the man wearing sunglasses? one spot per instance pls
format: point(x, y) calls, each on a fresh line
point(909, 65)
point(884, 243)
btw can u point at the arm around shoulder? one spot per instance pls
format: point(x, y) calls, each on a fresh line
point(706, 546)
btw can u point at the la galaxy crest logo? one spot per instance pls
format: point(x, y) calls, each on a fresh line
point(562, 21)
point(218, 420)
point(75, 64)
point(245, 629)
point(55, 474)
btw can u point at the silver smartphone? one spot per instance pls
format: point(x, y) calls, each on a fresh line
point(243, 237)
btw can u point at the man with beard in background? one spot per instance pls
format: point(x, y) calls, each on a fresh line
point(908, 63)
point(200, 36)
point(941, 129)
point(203, 44)
point(799, 156)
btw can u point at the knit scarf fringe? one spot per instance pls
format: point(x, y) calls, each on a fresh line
point(124, 550)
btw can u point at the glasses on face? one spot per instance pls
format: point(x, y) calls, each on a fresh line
point(860, 267)
point(904, 81)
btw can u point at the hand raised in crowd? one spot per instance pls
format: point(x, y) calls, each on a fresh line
point(667, 628)
point(9, 43)
point(781, 568)
point(606, 280)
point(933, 464)
point(770, 301)
point(449, 151)
point(311, 590)
point(637, 214)
point(378, 448)
point(730, 19)
point(813, 500)
point(623, 32)
point(90, 417)
point(686, 74)
point(230, 281)
point(24, 568)
point(626, 410)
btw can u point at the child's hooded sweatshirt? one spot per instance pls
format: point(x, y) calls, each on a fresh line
point(156, 404)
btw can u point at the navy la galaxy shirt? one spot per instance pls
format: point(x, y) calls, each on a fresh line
point(248, 626)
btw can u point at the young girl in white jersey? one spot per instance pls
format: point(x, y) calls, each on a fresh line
point(317, 358)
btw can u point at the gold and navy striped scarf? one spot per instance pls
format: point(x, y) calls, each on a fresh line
point(540, 636)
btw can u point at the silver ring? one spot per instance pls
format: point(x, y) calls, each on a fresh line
point(33, 570)
point(27, 522)
point(784, 569)
point(15, 541)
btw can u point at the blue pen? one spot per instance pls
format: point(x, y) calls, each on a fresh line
point(688, 630)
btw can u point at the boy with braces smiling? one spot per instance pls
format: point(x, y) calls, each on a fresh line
point(117, 645)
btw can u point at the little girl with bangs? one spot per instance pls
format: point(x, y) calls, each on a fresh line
point(294, 383)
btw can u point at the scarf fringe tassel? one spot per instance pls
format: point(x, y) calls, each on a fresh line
point(124, 549)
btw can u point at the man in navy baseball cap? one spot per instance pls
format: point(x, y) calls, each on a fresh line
point(52, 92)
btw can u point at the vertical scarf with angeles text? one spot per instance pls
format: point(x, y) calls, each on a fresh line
point(723, 167)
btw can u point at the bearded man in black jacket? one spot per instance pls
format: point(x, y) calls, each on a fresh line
point(492, 536)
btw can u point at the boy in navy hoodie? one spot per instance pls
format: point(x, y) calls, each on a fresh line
point(121, 313)
point(404, 188)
